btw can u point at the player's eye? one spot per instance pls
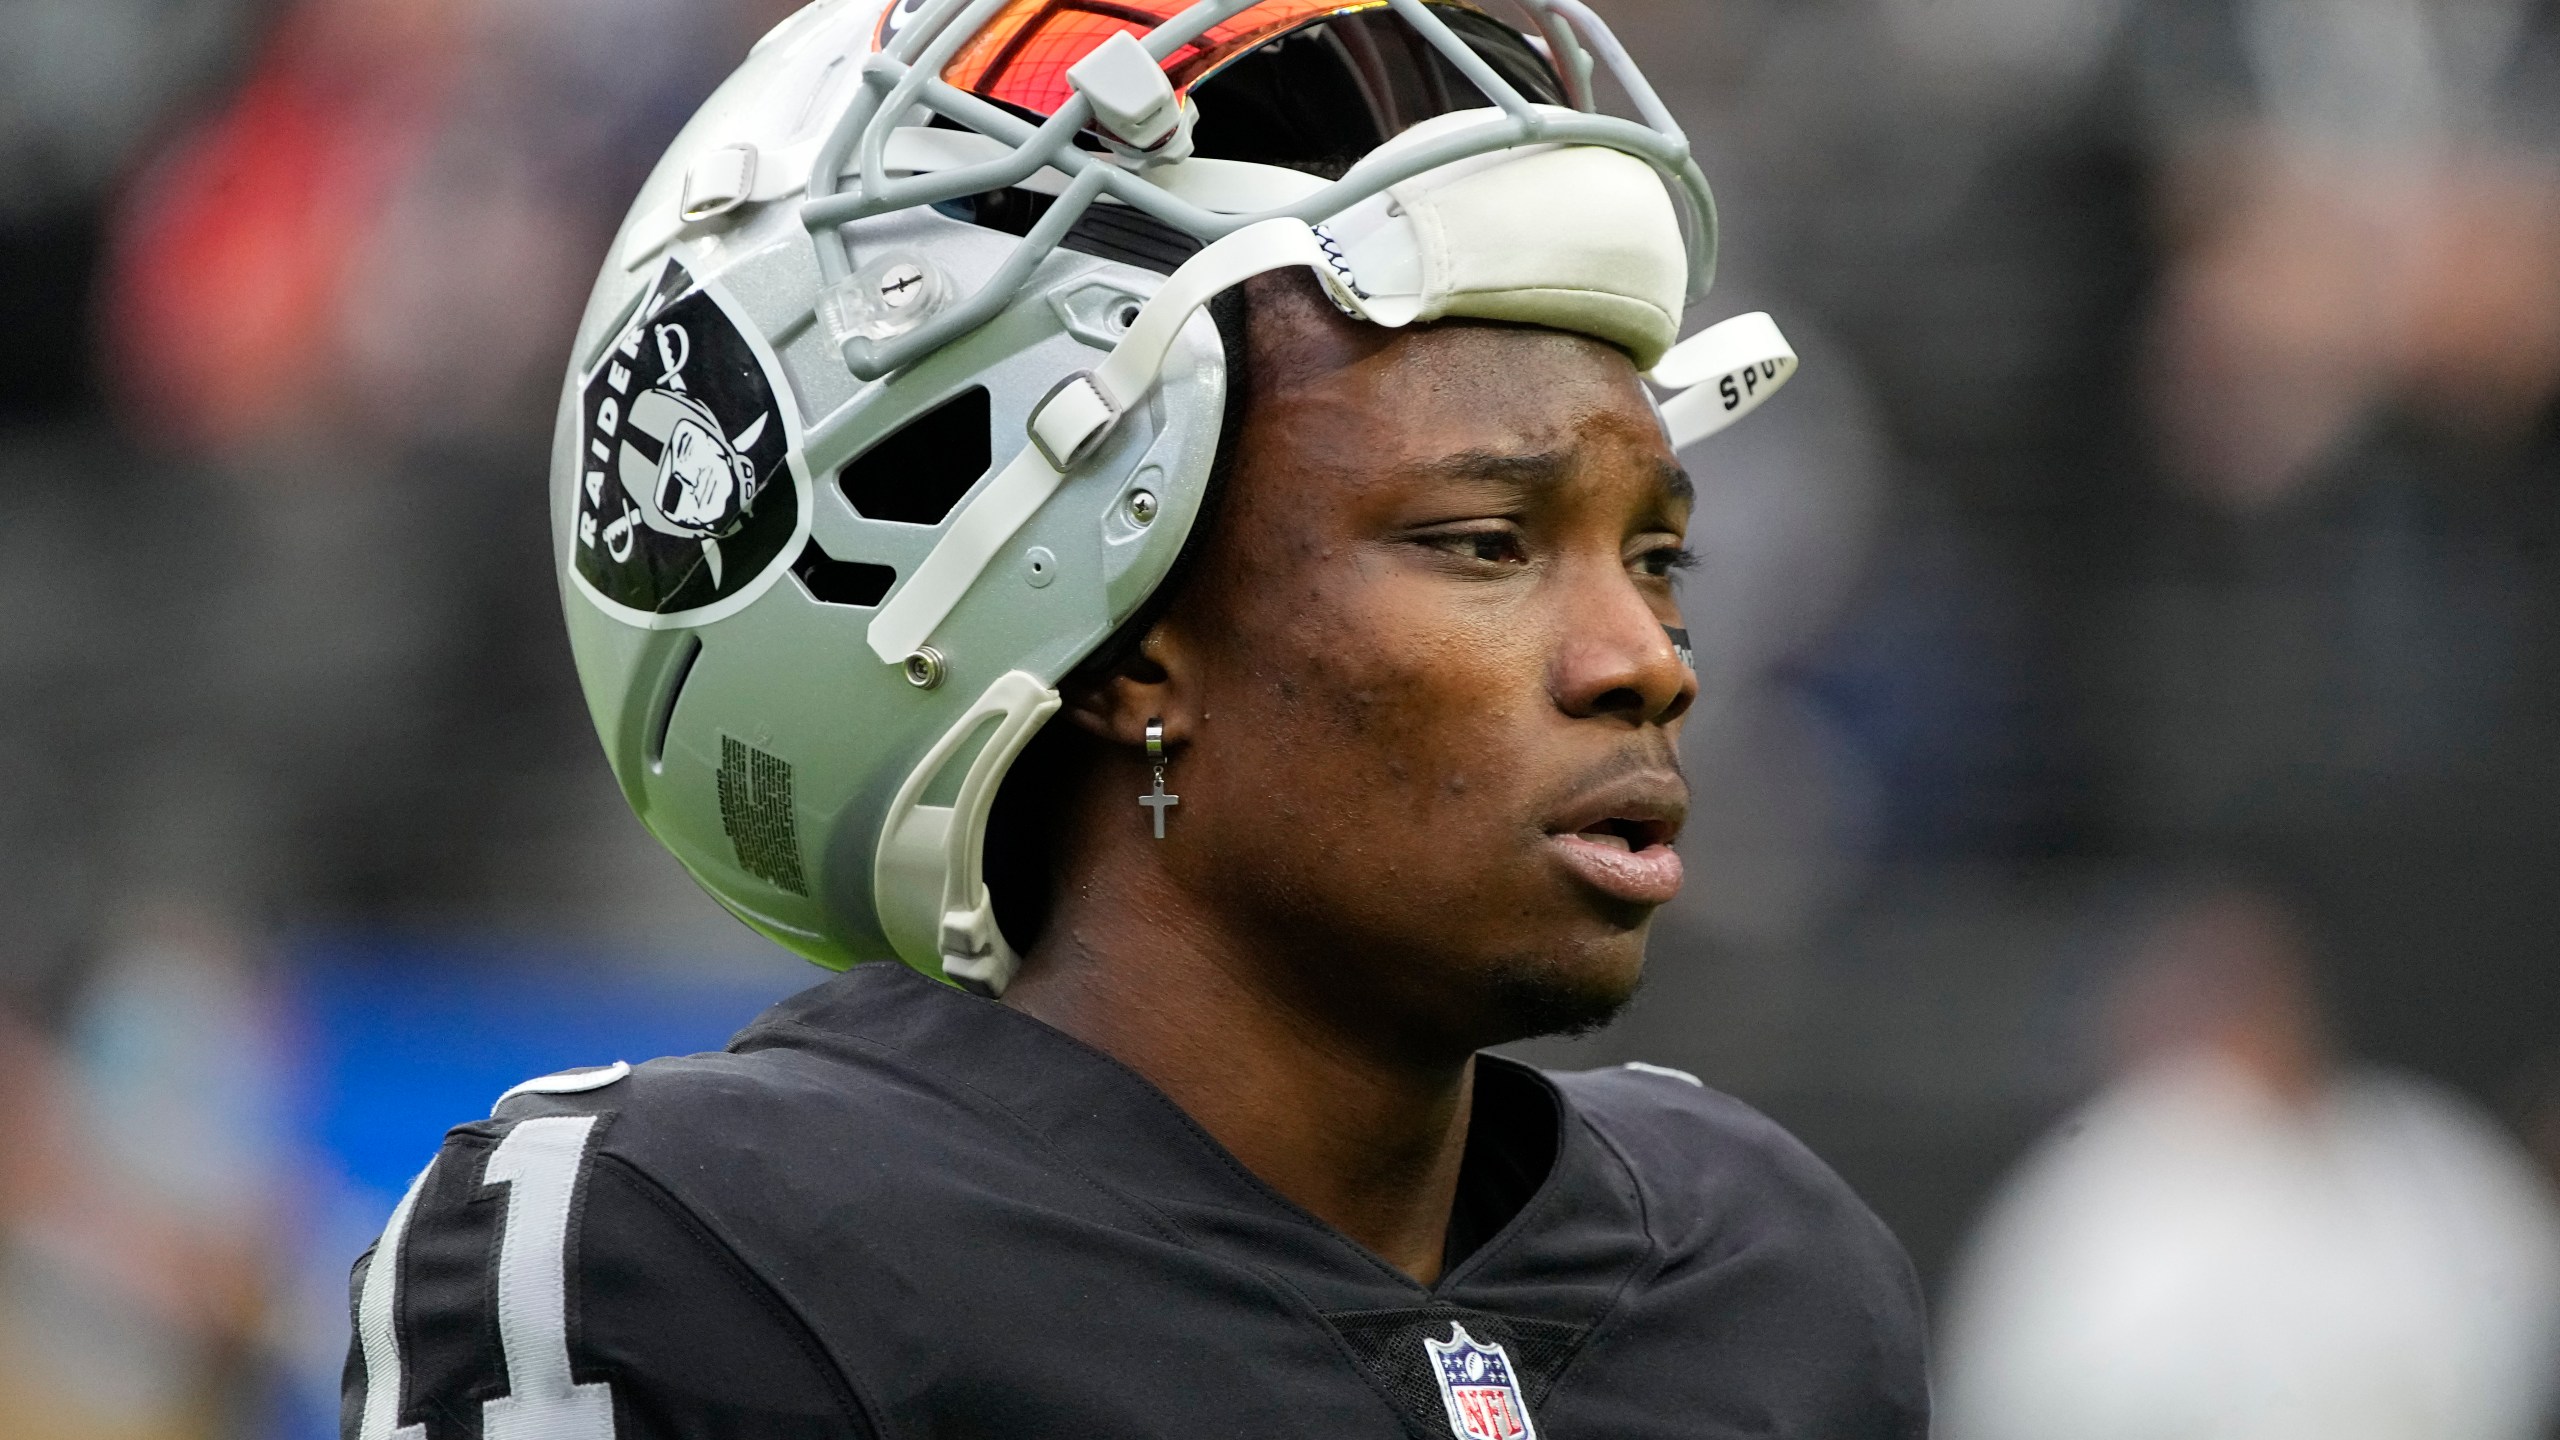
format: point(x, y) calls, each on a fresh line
point(1497, 543)
point(1661, 562)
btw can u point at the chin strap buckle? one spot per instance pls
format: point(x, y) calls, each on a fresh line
point(969, 935)
point(1072, 421)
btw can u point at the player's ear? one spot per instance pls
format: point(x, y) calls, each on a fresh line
point(1155, 680)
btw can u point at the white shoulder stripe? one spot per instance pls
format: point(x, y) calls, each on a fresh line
point(377, 1331)
point(1665, 1071)
point(568, 1082)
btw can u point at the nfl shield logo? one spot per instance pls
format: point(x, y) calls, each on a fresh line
point(1477, 1385)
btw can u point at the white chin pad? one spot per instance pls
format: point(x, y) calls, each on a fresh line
point(1570, 237)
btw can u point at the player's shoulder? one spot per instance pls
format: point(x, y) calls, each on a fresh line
point(1717, 1174)
point(1680, 1135)
point(1747, 1221)
point(814, 1092)
point(586, 1228)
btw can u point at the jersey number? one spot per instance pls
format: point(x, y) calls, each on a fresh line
point(538, 1162)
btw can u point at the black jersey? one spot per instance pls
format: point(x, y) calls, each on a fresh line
point(891, 1209)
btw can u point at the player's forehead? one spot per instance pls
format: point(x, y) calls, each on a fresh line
point(1500, 410)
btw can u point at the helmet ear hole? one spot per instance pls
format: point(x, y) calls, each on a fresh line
point(917, 474)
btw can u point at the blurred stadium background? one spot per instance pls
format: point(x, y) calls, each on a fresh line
point(2136, 636)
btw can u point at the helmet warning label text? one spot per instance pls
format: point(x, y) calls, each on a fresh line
point(755, 808)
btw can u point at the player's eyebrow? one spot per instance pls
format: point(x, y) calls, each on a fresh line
point(1543, 470)
point(1675, 481)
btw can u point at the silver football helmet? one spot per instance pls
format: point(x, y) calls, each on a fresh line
point(897, 397)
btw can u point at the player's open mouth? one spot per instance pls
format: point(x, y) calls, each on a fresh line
point(1627, 857)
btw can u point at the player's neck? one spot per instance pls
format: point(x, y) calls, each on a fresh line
point(1352, 1128)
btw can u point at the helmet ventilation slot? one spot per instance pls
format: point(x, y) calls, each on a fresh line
point(1107, 231)
point(917, 474)
point(830, 581)
point(653, 745)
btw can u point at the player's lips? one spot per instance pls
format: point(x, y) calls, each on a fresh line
point(1619, 841)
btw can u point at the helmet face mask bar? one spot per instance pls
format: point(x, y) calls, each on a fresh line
point(940, 462)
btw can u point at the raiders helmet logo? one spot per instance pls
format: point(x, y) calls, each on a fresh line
point(691, 502)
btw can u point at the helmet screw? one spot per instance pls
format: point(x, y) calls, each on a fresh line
point(924, 668)
point(1142, 506)
point(1042, 566)
point(902, 284)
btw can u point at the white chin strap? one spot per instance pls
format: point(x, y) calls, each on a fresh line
point(1073, 422)
point(1718, 376)
point(1721, 374)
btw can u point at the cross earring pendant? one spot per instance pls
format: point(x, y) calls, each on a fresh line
point(1159, 801)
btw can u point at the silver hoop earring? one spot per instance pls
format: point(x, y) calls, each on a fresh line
point(1159, 802)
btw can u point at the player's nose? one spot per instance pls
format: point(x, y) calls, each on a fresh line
point(1613, 656)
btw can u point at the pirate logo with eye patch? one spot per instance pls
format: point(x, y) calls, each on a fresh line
point(690, 499)
point(700, 485)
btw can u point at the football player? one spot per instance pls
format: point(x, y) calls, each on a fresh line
point(1208, 611)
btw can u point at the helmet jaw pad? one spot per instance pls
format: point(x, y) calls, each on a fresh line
point(934, 855)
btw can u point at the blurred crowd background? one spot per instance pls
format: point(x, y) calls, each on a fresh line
point(2128, 840)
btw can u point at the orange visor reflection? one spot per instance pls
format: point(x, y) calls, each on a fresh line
point(1022, 55)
